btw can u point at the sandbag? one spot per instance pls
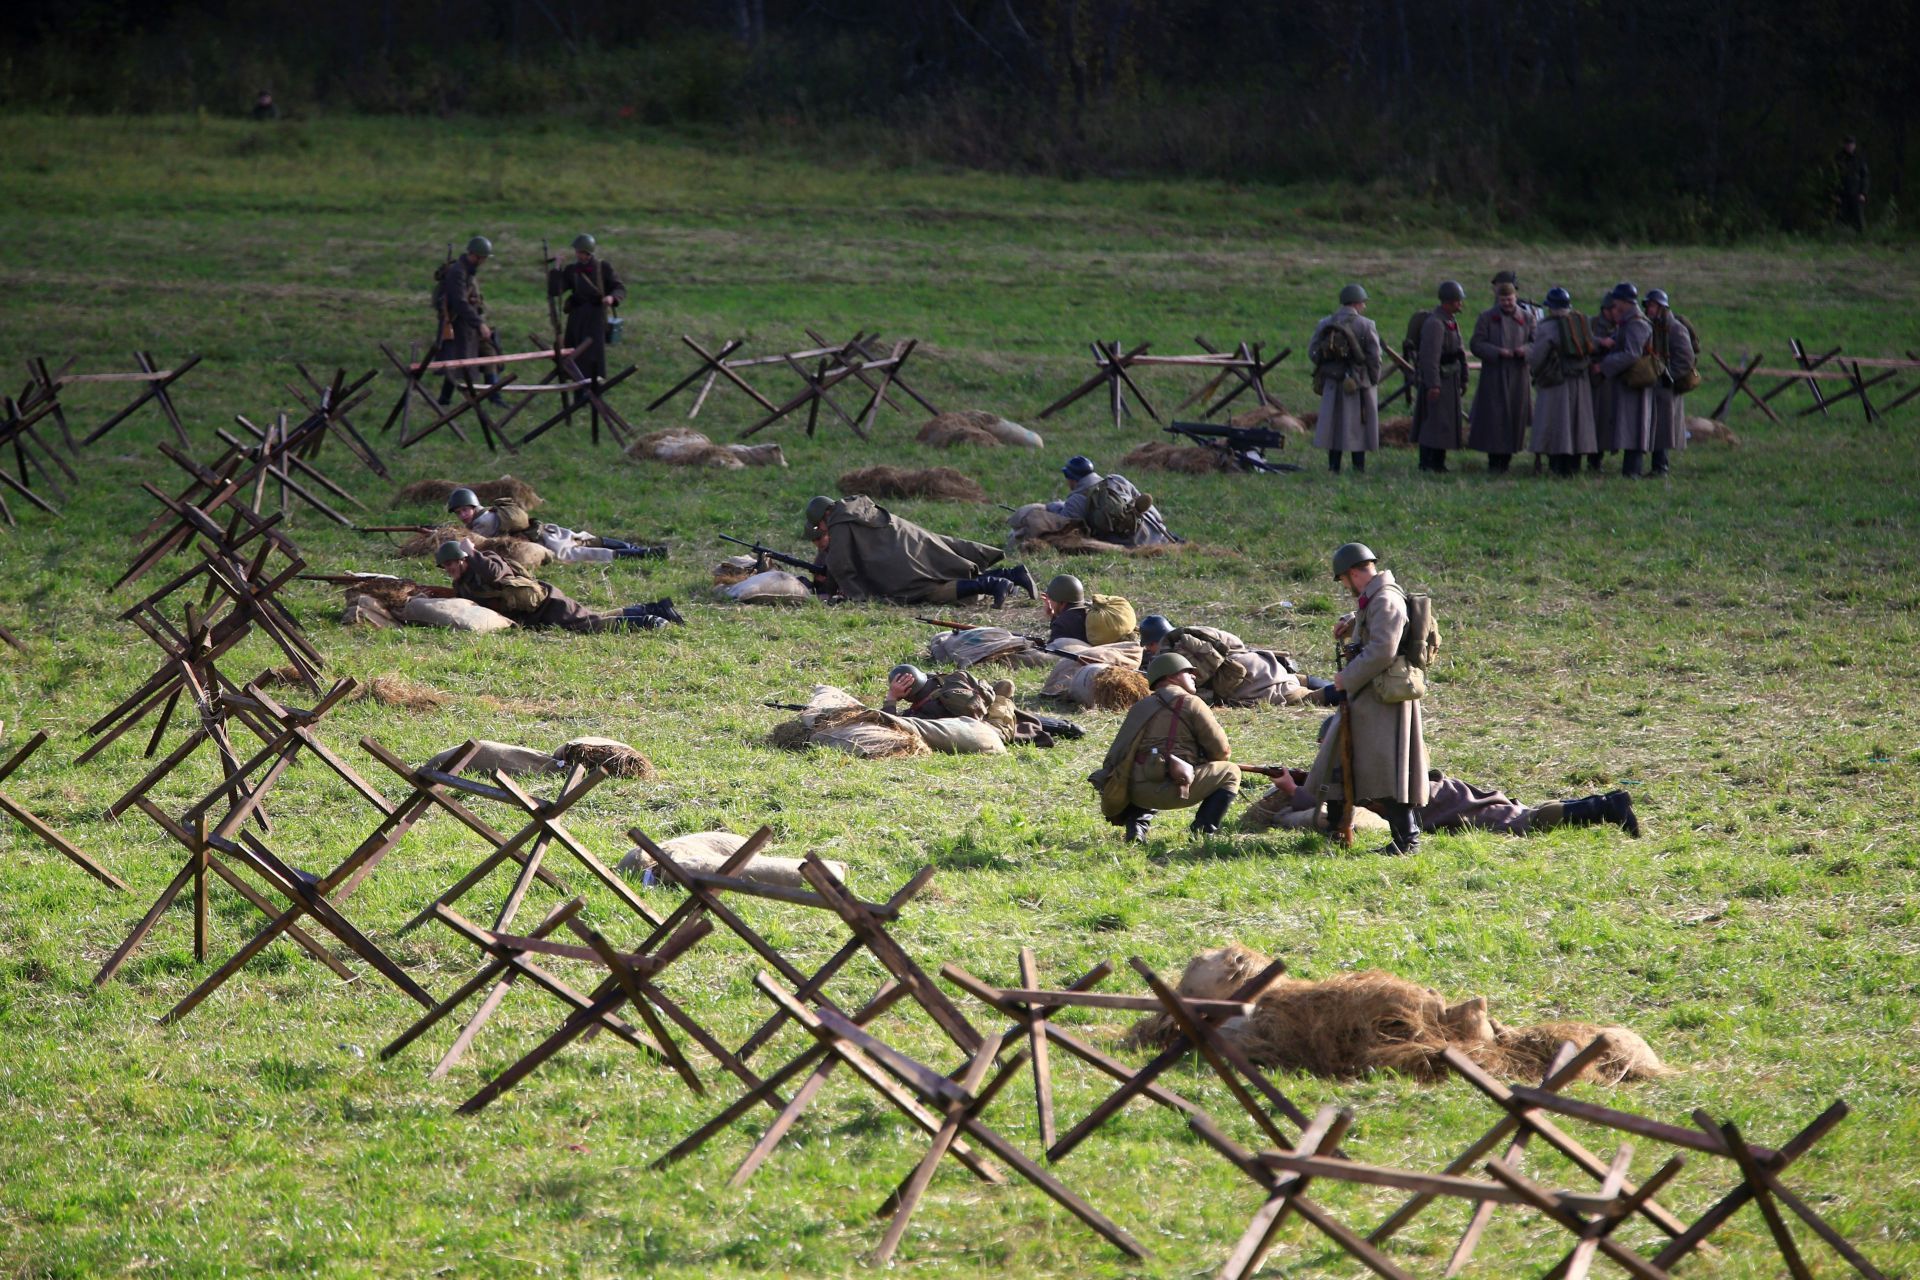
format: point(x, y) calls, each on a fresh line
point(957, 736)
point(456, 614)
point(504, 756)
point(705, 852)
point(772, 586)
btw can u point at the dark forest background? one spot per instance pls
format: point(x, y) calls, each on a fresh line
point(1669, 119)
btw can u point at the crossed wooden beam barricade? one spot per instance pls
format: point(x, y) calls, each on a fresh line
point(1244, 364)
point(46, 834)
point(821, 369)
point(42, 397)
point(220, 846)
point(32, 455)
point(332, 401)
point(565, 379)
point(1860, 374)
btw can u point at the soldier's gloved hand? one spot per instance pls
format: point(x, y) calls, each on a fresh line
point(1332, 697)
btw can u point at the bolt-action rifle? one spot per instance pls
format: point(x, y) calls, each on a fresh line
point(815, 571)
point(1239, 443)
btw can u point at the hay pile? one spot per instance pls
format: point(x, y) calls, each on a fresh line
point(488, 491)
point(901, 482)
point(975, 427)
point(617, 758)
point(1700, 429)
point(389, 690)
point(1074, 540)
point(1356, 1023)
point(685, 447)
point(1113, 688)
point(1271, 415)
point(1160, 455)
point(1396, 433)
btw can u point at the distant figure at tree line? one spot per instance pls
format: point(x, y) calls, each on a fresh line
point(264, 107)
point(1850, 184)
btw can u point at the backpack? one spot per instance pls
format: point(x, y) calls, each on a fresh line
point(1420, 642)
point(1207, 648)
point(1114, 508)
point(962, 694)
point(1572, 349)
point(512, 516)
point(1690, 380)
point(1410, 345)
point(1110, 620)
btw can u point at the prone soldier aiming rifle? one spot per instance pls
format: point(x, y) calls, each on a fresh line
point(1242, 444)
point(816, 573)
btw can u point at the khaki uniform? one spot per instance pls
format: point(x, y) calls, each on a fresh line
point(491, 581)
point(1442, 363)
point(1502, 407)
point(1389, 745)
point(1173, 720)
point(1563, 421)
point(875, 555)
point(1349, 420)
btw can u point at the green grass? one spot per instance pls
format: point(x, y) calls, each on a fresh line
point(1737, 645)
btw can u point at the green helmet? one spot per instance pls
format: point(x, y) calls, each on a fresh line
point(480, 247)
point(817, 511)
point(1351, 555)
point(920, 678)
point(1066, 589)
point(1351, 294)
point(450, 550)
point(463, 498)
point(1167, 664)
point(585, 242)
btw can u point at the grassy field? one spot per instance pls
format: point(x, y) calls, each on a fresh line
point(1737, 645)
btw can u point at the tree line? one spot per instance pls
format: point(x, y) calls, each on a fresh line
point(1675, 119)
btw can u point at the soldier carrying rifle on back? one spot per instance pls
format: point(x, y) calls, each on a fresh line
point(589, 290)
point(464, 331)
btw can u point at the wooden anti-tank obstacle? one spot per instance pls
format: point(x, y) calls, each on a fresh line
point(1245, 365)
point(821, 368)
point(46, 834)
point(43, 395)
point(565, 378)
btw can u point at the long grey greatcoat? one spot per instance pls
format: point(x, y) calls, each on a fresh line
point(1442, 363)
point(1389, 749)
point(457, 301)
point(874, 554)
point(1563, 409)
point(1672, 342)
point(1349, 421)
point(1601, 327)
point(1502, 408)
point(579, 286)
point(1632, 426)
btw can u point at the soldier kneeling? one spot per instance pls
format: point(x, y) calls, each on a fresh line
point(1170, 753)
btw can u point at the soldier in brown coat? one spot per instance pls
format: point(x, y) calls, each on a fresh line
point(1502, 407)
point(1173, 754)
point(590, 290)
point(872, 554)
point(491, 581)
point(1441, 385)
point(1345, 350)
point(462, 312)
point(1673, 344)
point(1631, 431)
point(1558, 359)
point(1389, 747)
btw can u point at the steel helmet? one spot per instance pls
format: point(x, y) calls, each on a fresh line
point(1450, 291)
point(1351, 294)
point(1167, 664)
point(1658, 296)
point(920, 678)
point(462, 498)
point(480, 247)
point(1558, 297)
point(1078, 465)
point(450, 550)
point(1066, 589)
point(584, 242)
point(817, 511)
point(1351, 555)
point(1154, 628)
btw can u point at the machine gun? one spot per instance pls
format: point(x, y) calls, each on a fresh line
point(1242, 444)
point(779, 557)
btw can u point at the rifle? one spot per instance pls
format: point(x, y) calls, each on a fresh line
point(951, 625)
point(353, 578)
point(553, 299)
point(780, 557)
point(1343, 827)
point(1273, 771)
point(446, 309)
point(1237, 443)
point(395, 528)
point(786, 706)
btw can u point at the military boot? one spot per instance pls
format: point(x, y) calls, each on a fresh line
point(1590, 811)
point(1206, 819)
point(1020, 576)
point(998, 588)
point(1403, 828)
point(1136, 821)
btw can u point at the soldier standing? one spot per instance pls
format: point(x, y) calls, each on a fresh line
point(1672, 341)
point(1345, 351)
point(1850, 173)
point(1631, 431)
point(1502, 408)
point(1600, 325)
point(1171, 753)
point(1389, 747)
point(1561, 351)
point(464, 331)
point(1441, 384)
point(590, 290)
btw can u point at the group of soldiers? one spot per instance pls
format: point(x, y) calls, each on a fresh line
point(1553, 381)
point(587, 289)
